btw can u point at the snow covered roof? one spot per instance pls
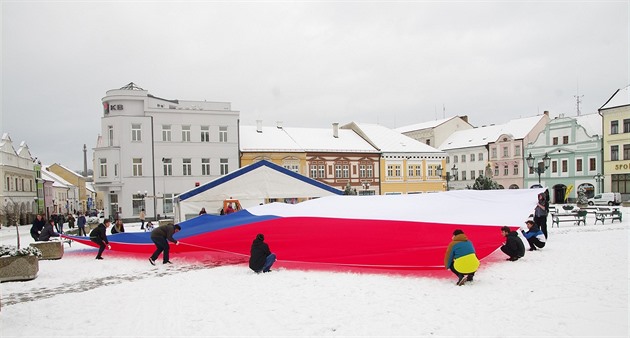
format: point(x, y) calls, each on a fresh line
point(423, 125)
point(389, 140)
point(619, 99)
point(302, 140)
point(517, 128)
point(592, 123)
point(56, 179)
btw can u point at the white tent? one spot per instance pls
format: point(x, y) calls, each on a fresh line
point(251, 185)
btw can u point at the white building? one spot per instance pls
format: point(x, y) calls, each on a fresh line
point(151, 149)
point(18, 191)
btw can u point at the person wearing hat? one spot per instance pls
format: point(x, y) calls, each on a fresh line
point(99, 236)
point(261, 258)
point(513, 246)
point(161, 236)
point(460, 258)
point(535, 237)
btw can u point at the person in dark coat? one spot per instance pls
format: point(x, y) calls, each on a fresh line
point(540, 213)
point(38, 226)
point(261, 258)
point(47, 232)
point(161, 236)
point(81, 221)
point(99, 236)
point(513, 246)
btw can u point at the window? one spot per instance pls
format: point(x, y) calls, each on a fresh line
point(186, 167)
point(480, 156)
point(472, 175)
point(565, 166)
point(626, 151)
point(578, 165)
point(472, 157)
point(223, 165)
point(205, 167)
point(346, 171)
point(166, 133)
point(494, 152)
point(185, 133)
point(223, 134)
point(506, 171)
point(136, 133)
point(614, 127)
point(362, 172)
point(481, 172)
point(116, 170)
point(431, 170)
point(103, 167)
point(464, 158)
point(414, 170)
point(626, 125)
point(565, 139)
point(167, 164)
point(137, 167)
point(370, 172)
point(555, 141)
point(110, 136)
point(321, 170)
point(496, 170)
point(393, 170)
point(620, 183)
point(614, 153)
point(448, 160)
point(554, 166)
point(463, 175)
point(137, 203)
point(313, 171)
point(505, 152)
point(455, 159)
point(592, 164)
point(517, 150)
point(168, 203)
point(292, 165)
point(515, 171)
point(205, 134)
point(338, 171)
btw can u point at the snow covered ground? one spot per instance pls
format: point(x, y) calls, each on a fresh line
point(576, 286)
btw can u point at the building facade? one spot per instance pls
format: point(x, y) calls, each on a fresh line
point(18, 190)
point(616, 144)
point(434, 133)
point(151, 149)
point(574, 147)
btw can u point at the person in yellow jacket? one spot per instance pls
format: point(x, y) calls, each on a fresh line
point(461, 258)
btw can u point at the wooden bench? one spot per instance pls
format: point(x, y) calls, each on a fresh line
point(611, 215)
point(575, 217)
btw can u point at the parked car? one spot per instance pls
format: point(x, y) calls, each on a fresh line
point(607, 198)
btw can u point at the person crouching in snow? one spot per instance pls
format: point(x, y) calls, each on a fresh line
point(261, 258)
point(513, 246)
point(160, 237)
point(461, 258)
point(99, 236)
point(534, 235)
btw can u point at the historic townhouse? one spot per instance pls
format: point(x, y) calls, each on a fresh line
point(434, 133)
point(151, 149)
point(18, 190)
point(616, 145)
point(573, 145)
point(407, 166)
point(76, 202)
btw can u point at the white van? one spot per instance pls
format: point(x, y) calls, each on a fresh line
point(607, 198)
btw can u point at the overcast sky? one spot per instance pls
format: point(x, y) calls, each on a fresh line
point(305, 63)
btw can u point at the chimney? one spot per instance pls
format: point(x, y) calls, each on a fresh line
point(279, 124)
point(259, 126)
point(335, 130)
point(546, 112)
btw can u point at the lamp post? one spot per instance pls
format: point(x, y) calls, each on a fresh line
point(599, 178)
point(541, 167)
point(366, 186)
point(447, 174)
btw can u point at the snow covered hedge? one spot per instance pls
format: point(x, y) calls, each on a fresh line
point(12, 251)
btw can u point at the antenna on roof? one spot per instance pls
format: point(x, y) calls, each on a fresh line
point(443, 111)
point(578, 99)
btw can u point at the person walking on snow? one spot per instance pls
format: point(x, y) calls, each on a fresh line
point(460, 258)
point(161, 236)
point(99, 236)
point(81, 221)
point(261, 258)
point(513, 246)
point(142, 217)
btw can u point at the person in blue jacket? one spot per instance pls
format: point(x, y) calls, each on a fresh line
point(461, 258)
point(535, 236)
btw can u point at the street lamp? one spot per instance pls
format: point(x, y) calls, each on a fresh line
point(542, 166)
point(599, 178)
point(366, 186)
point(447, 174)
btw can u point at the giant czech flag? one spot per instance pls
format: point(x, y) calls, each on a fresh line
point(395, 232)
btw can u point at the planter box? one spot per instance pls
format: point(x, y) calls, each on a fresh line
point(50, 250)
point(18, 268)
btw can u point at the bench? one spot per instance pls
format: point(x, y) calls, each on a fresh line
point(611, 215)
point(575, 217)
point(50, 250)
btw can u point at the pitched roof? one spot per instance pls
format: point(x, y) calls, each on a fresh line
point(592, 123)
point(620, 98)
point(389, 140)
point(423, 125)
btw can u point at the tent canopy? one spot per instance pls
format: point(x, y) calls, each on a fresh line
point(251, 185)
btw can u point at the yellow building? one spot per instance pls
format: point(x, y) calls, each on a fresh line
point(74, 179)
point(616, 143)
